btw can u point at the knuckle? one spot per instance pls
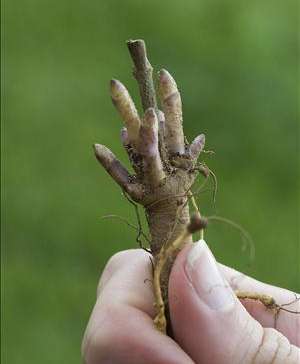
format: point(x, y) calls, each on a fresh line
point(246, 342)
point(274, 348)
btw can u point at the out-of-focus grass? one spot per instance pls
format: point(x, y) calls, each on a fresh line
point(236, 65)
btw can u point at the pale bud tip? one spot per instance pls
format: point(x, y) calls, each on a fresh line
point(164, 75)
point(116, 87)
point(167, 83)
point(166, 78)
point(124, 136)
point(102, 153)
point(113, 82)
point(197, 146)
point(201, 139)
point(100, 148)
point(97, 147)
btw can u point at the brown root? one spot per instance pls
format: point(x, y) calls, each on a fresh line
point(167, 252)
point(165, 166)
point(244, 233)
point(138, 229)
point(268, 301)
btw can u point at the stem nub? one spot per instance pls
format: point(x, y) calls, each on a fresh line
point(143, 72)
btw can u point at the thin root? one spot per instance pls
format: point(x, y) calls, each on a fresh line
point(166, 252)
point(244, 233)
point(138, 228)
point(269, 302)
point(197, 211)
point(209, 152)
point(214, 178)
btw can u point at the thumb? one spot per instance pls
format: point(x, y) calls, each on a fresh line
point(210, 323)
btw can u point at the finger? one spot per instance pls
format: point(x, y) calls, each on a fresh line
point(148, 148)
point(172, 108)
point(121, 327)
point(126, 108)
point(117, 171)
point(210, 323)
point(287, 323)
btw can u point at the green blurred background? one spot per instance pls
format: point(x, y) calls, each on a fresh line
point(236, 64)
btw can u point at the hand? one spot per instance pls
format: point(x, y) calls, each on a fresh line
point(210, 324)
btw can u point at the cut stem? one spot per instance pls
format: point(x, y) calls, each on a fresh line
point(143, 72)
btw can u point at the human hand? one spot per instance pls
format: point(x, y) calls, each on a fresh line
point(210, 324)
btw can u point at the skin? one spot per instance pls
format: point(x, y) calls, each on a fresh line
point(210, 324)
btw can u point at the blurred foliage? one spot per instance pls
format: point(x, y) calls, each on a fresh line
point(236, 64)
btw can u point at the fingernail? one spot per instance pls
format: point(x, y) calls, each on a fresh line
point(203, 273)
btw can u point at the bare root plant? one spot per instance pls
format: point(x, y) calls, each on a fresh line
point(165, 168)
